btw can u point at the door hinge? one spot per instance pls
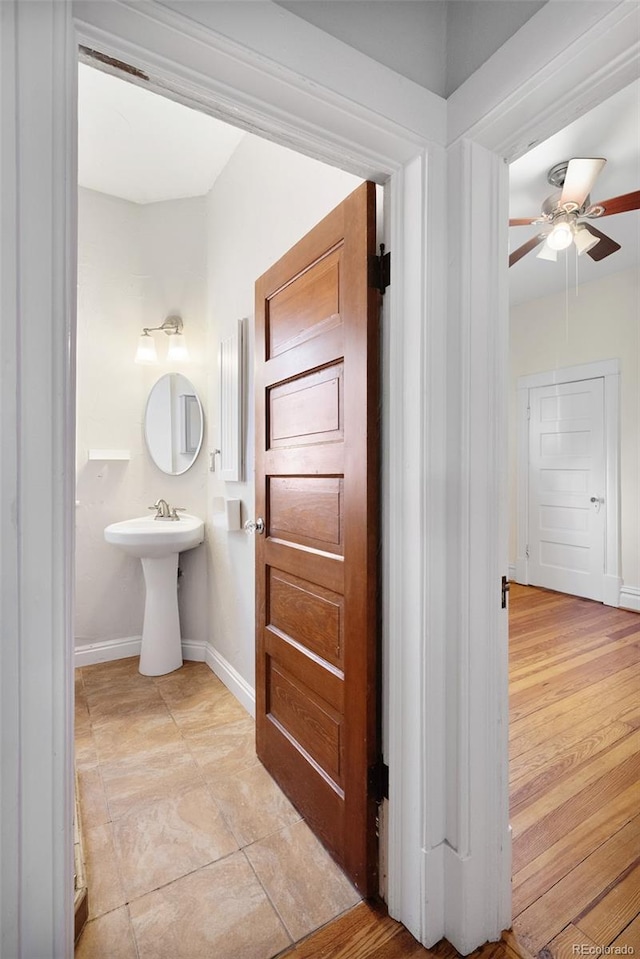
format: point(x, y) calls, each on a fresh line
point(528, 412)
point(506, 585)
point(379, 780)
point(380, 270)
point(526, 551)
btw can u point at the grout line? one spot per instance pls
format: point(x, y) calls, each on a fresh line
point(132, 929)
point(191, 872)
point(270, 900)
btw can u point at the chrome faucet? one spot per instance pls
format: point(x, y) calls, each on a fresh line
point(163, 510)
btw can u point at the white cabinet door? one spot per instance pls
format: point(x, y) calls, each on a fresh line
point(566, 488)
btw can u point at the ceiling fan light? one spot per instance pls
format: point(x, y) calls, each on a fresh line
point(584, 240)
point(547, 253)
point(561, 236)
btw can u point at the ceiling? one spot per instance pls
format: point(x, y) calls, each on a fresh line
point(142, 147)
point(610, 130)
point(436, 43)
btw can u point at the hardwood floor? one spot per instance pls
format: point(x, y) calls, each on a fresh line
point(574, 771)
point(575, 793)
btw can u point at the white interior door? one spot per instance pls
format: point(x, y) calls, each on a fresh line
point(566, 487)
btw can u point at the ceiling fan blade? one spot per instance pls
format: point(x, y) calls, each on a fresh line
point(580, 177)
point(526, 221)
point(527, 248)
point(605, 247)
point(621, 204)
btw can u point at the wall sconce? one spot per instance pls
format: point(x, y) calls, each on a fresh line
point(177, 352)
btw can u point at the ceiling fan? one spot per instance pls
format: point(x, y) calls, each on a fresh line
point(565, 214)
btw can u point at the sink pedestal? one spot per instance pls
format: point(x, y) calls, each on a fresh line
point(161, 650)
point(157, 543)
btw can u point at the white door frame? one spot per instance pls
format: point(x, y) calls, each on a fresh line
point(449, 865)
point(609, 371)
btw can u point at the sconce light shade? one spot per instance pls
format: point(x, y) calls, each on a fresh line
point(178, 352)
point(146, 352)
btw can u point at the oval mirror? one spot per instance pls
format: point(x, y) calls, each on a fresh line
point(173, 424)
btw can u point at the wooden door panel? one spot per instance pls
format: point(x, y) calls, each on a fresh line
point(307, 410)
point(313, 793)
point(306, 510)
point(306, 307)
point(308, 564)
point(317, 459)
point(321, 351)
point(308, 719)
point(308, 614)
point(313, 670)
point(326, 460)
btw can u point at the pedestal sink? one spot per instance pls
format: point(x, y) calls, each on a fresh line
point(157, 542)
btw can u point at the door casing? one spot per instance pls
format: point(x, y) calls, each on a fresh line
point(557, 67)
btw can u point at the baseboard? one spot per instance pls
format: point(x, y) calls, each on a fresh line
point(109, 649)
point(630, 598)
point(433, 905)
point(520, 571)
point(232, 679)
point(195, 650)
point(611, 590)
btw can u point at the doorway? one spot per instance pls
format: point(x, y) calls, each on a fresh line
point(573, 551)
point(180, 247)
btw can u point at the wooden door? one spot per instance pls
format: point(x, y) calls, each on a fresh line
point(317, 437)
point(566, 488)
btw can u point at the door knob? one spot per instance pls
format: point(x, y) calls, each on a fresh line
point(254, 526)
point(597, 502)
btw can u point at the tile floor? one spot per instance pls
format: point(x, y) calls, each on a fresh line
point(192, 849)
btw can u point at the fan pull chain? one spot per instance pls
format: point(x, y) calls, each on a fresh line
point(576, 258)
point(566, 298)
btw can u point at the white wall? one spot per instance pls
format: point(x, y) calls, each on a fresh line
point(137, 264)
point(265, 200)
point(603, 324)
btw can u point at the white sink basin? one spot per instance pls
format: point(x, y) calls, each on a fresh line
point(149, 538)
point(156, 543)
